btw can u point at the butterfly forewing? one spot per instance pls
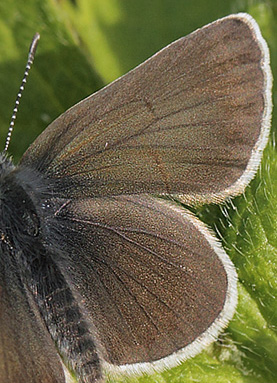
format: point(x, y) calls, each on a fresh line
point(187, 121)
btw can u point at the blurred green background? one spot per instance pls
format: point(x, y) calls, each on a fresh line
point(84, 45)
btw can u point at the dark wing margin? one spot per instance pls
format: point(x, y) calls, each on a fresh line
point(27, 352)
point(155, 283)
point(192, 120)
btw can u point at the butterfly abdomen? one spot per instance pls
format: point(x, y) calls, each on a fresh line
point(23, 240)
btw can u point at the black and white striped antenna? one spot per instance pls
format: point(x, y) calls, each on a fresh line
point(31, 55)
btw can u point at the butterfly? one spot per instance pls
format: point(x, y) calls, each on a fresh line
point(97, 272)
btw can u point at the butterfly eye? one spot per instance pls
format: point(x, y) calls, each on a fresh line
point(31, 222)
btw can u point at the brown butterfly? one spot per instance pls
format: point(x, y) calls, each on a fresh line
point(96, 273)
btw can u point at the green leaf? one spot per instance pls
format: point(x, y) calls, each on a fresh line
point(87, 43)
point(61, 76)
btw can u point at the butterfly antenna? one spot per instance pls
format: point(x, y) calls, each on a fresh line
point(31, 55)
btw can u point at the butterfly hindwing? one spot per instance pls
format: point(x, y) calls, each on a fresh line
point(27, 352)
point(152, 278)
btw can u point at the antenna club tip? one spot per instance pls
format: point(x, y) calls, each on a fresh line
point(34, 44)
point(36, 36)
